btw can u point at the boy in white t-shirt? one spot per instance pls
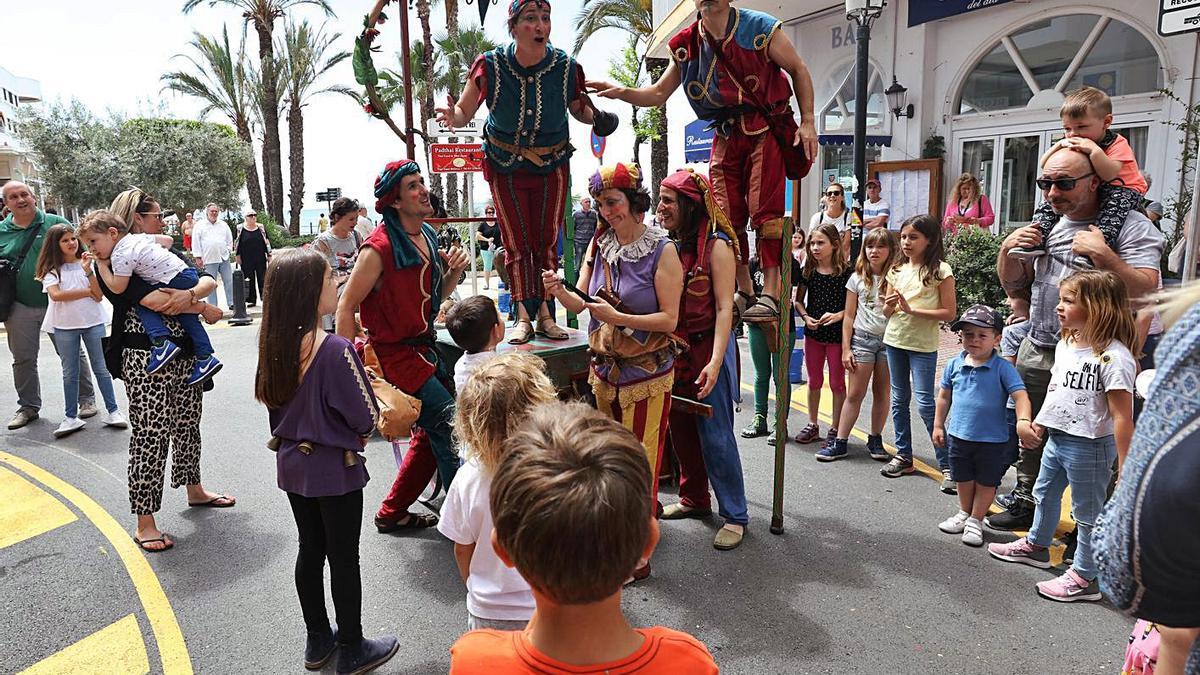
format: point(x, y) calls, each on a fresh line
point(492, 402)
point(475, 325)
point(148, 257)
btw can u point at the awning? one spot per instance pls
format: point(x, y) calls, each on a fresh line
point(848, 139)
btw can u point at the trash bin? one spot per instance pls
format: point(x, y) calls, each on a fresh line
point(796, 373)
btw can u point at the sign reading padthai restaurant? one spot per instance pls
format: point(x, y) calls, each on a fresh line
point(456, 157)
point(924, 11)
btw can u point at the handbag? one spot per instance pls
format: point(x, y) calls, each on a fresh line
point(617, 343)
point(9, 270)
point(398, 411)
point(796, 164)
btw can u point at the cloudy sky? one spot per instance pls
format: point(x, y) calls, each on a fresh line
point(110, 54)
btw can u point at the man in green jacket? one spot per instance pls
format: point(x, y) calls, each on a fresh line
point(24, 324)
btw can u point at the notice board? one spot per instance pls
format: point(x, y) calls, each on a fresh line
point(911, 187)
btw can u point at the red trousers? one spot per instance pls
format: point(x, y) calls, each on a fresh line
point(530, 207)
point(749, 181)
point(647, 419)
point(414, 475)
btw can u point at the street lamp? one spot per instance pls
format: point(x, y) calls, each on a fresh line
point(862, 12)
point(896, 95)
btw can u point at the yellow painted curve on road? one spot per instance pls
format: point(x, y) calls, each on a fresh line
point(167, 634)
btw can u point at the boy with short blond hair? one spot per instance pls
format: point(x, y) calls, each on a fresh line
point(570, 512)
point(1086, 117)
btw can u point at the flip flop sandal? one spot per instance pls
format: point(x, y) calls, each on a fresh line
point(416, 521)
point(168, 545)
point(523, 334)
point(550, 330)
point(213, 503)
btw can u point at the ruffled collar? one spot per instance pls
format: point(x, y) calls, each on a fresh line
point(612, 251)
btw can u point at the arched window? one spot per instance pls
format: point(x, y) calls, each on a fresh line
point(1037, 63)
point(837, 93)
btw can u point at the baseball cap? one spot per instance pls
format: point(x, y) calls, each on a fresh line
point(872, 182)
point(250, 212)
point(979, 315)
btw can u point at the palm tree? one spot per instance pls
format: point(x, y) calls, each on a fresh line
point(218, 77)
point(306, 51)
point(259, 97)
point(633, 17)
point(424, 88)
point(262, 14)
point(459, 50)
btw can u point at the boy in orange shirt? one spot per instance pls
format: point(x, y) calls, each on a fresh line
point(570, 513)
point(1086, 116)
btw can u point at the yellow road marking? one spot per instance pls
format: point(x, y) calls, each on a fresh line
point(167, 634)
point(27, 510)
point(118, 648)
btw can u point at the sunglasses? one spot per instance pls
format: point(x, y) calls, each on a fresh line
point(834, 193)
point(1064, 184)
point(156, 215)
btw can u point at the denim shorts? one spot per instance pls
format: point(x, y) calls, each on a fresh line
point(984, 463)
point(866, 348)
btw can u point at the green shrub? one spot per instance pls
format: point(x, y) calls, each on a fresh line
point(275, 234)
point(971, 253)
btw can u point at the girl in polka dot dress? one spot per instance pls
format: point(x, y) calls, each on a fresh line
point(820, 304)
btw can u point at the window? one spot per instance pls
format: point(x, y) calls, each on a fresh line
point(837, 115)
point(1060, 54)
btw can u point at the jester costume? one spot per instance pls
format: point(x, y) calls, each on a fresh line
point(398, 317)
point(705, 446)
point(746, 166)
point(632, 383)
point(527, 145)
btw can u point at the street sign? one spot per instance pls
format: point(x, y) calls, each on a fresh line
point(1178, 16)
point(697, 141)
point(456, 157)
point(598, 145)
point(472, 128)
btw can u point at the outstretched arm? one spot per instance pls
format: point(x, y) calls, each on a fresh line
point(650, 96)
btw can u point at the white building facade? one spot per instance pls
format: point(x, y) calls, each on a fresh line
point(15, 92)
point(989, 80)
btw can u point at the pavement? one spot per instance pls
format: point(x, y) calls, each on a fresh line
point(860, 581)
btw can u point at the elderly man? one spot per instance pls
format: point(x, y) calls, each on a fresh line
point(212, 242)
point(399, 282)
point(21, 237)
point(1069, 183)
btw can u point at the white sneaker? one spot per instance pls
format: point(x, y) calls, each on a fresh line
point(972, 532)
point(954, 524)
point(115, 420)
point(69, 426)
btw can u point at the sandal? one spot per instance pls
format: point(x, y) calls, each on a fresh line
point(550, 330)
point(741, 302)
point(765, 310)
point(218, 502)
point(167, 544)
point(523, 333)
point(416, 521)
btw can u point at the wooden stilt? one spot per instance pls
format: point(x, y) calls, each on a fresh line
point(783, 386)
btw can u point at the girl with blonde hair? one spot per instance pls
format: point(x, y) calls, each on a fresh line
point(493, 402)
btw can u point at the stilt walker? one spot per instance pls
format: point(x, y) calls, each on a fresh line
point(530, 87)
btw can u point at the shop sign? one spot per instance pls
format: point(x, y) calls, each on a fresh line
point(1178, 16)
point(456, 157)
point(697, 142)
point(472, 128)
point(932, 10)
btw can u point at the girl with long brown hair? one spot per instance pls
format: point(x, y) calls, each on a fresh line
point(322, 411)
point(821, 304)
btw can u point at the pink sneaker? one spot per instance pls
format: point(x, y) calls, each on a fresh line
point(1021, 551)
point(1070, 587)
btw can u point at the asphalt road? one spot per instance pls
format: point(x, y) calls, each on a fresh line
point(861, 581)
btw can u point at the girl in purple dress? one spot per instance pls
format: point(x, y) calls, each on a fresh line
point(322, 410)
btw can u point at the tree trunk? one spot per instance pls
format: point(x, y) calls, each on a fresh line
point(659, 155)
point(637, 139)
point(295, 120)
point(426, 101)
point(272, 155)
point(266, 183)
point(252, 184)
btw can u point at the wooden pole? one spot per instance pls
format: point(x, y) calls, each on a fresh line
point(783, 385)
point(409, 142)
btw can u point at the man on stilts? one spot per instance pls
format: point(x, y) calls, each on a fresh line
point(731, 63)
point(529, 86)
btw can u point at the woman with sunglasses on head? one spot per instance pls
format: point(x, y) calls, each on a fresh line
point(487, 238)
point(835, 213)
point(164, 410)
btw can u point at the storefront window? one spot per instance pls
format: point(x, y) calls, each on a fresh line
point(837, 116)
point(1041, 57)
point(840, 160)
point(1019, 193)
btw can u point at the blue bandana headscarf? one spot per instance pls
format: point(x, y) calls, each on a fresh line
point(404, 252)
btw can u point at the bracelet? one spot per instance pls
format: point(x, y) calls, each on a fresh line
point(1024, 419)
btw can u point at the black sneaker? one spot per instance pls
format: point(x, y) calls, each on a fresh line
point(756, 428)
point(367, 655)
point(1072, 543)
point(1019, 516)
point(771, 438)
point(319, 648)
point(1004, 501)
point(876, 449)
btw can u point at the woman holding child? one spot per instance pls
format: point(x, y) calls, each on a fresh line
point(633, 265)
point(705, 446)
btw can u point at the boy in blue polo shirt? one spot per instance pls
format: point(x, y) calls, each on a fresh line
point(974, 391)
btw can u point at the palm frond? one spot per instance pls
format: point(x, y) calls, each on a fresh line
point(624, 15)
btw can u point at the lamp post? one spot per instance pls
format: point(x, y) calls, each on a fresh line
point(862, 12)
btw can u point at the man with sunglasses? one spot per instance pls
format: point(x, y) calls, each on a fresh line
point(1070, 185)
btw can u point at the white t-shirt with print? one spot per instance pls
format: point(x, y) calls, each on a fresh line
point(141, 254)
point(868, 318)
point(71, 314)
point(1077, 400)
point(494, 590)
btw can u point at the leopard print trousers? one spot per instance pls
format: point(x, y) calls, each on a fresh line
point(164, 413)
